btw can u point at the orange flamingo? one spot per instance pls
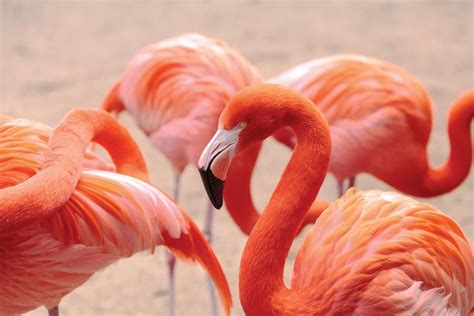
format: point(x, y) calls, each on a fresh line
point(380, 121)
point(176, 89)
point(369, 253)
point(60, 223)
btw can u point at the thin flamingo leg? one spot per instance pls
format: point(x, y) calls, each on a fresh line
point(53, 311)
point(171, 259)
point(207, 230)
point(352, 182)
point(340, 188)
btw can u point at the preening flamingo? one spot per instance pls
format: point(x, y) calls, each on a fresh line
point(369, 253)
point(176, 89)
point(380, 118)
point(61, 223)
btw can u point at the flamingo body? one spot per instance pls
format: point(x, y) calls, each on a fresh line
point(380, 119)
point(108, 216)
point(176, 89)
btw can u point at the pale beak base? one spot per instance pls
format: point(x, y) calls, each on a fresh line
point(215, 161)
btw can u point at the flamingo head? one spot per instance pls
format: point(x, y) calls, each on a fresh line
point(252, 115)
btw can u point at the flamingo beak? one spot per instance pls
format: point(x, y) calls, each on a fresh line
point(215, 161)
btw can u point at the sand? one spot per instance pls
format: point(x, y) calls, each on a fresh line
point(59, 55)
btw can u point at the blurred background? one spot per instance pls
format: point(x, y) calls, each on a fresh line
point(57, 55)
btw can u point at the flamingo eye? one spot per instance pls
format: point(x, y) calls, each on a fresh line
point(242, 125)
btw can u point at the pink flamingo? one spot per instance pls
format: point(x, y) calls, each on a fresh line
point(380, 120)
point(176, 89)
point(369, 253)
point(60, 223)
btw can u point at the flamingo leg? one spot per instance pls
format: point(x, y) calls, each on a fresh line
point(207, 230)
point(53, 311)
point(340, 187)
point(352, 182)
point(171, 259)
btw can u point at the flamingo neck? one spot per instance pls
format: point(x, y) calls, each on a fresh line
point(38, 197)
point(263, 259)
point(446, 177)
point(237, 190)
point(238, 193)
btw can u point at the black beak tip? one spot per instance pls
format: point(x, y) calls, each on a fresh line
point(214, 187)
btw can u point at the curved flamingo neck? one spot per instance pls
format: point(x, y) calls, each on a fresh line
point(237, 191)
point(238, 195)
point(446, 177)
point(39, 196)
point(263, 259)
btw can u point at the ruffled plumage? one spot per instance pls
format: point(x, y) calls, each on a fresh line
point(108, 217)
point(176, 89)
point(384, 253)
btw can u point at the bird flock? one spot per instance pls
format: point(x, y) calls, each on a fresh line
point(66, 212)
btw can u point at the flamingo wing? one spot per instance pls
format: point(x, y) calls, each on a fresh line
point(108, 217)
point(375, 249)
point(124, 215)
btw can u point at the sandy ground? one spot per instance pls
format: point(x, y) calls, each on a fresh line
point(60, 55)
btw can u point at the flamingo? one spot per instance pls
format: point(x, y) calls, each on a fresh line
point(176, 89)
point(380, 118)
point(61, 221)
point(369, 253)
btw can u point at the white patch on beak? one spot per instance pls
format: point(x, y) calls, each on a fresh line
point(219, 152)
point(215, 161)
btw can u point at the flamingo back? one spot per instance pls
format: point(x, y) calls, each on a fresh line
point(23, 148)
point(190, 75)
point(382, 251)
point(352, 87)
point(376, 111)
